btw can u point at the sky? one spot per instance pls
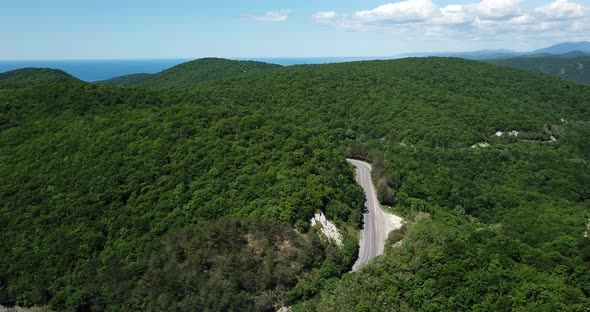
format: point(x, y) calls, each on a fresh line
point(140, 29)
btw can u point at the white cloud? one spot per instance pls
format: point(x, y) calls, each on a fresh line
point(580, 26)
point(324, 17)
point(496, 9)
point(424, 18)
point(525, 19)
point(271, 16)
point(562, 10)
point(401, 12)
point(452, 14)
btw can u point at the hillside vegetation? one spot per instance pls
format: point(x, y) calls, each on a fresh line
point(576, 68)
point(31, 77)
point(103, 173)
point(191, 73)
point(126, 199)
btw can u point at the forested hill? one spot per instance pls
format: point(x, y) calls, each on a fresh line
point(99, 184)
point(432, 102)
point(133, 199)
point(31, 77)
point(190, 73)
point(572, 68)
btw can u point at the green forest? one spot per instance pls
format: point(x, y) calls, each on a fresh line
point(194, 192)
point(190, 73)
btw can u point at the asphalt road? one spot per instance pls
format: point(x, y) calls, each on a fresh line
point(377, 222)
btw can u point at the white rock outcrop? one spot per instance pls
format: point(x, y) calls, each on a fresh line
point(327, 228)
point(512, 133)
point(481, 145)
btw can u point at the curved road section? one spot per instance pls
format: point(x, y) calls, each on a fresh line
point(377, 222)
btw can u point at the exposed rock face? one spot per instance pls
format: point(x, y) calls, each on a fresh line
point(481, 145)
point(327, 227)
point(512, 133)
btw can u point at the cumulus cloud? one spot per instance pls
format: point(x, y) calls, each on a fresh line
point(562, 10)
point(399, 13)
point(324, 17)
point(270, 16)
point(496, 9)
point(452, 14)
point(487, 16)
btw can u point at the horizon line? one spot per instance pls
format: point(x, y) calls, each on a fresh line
point(201, 57)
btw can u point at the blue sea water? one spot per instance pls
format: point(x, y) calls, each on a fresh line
point(96, 70)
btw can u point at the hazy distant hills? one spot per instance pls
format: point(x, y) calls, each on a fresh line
point(30, 77)
point(564, 49)
point(472, 55)
point(568, 60)
point(191, 73)
point(576, 69)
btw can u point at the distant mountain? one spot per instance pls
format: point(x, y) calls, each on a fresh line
point(192, 73)
point(574, 54)
point(565, 47)
point(485, 54)
point(572, 68)
point(30, 77)
point(471, 55)
point(127, 80)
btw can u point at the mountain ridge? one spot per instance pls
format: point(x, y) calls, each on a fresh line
point(556, 49)
point(191, 73)
point(565, 47)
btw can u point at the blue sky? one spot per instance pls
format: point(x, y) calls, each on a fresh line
point(117, 29)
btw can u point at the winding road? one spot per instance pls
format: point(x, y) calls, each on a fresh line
point(377, 222)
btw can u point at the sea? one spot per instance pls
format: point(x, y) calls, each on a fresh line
point(97, 70)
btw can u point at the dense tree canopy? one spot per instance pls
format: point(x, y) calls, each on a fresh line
point(191, 73)
point(104, 172)
point(105, 190)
